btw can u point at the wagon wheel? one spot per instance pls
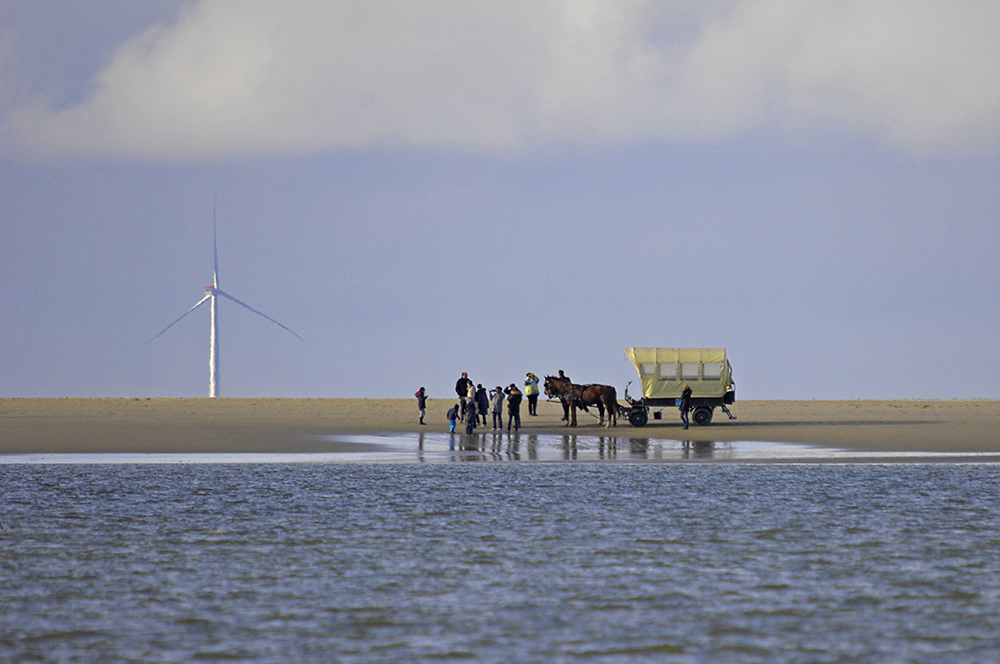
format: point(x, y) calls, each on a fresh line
point(702, 415)
point(638, 417)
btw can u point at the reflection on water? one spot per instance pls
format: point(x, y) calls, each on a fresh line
point(488, 446)
point(499, 446)
point(518, 446)
point(566, 447)
point(569, 447)
point(698, 449)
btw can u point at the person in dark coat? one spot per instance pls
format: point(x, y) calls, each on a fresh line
point(422, 403)
point(483, 402)
point(462, 390)
point(514, 397)
point(471, 417)
point(686, 405)
point(565, 403)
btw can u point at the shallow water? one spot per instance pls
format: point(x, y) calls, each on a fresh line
point(500, 562)
point(504, 447)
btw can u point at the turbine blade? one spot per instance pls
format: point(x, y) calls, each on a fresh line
point(215, 244)
point(200, 302)
point(244, 304)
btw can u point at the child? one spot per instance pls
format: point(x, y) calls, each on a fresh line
point(421, 403)
point(453, 418)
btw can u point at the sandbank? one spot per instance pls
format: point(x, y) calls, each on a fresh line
point(203, 425)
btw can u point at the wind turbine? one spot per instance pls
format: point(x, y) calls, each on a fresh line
point(212, 293)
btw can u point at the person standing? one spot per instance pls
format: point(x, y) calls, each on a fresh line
point(514, 397)
point(453, 418)
point(496, 405)
point(686, 405)
point(471, 416)
point(462, 385)
point(462, 390)
point(482, 402)
point(422, 403)
point(565, 402)
point(470, 399)
point(531, 391)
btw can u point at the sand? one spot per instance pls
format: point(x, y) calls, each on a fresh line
point(312, 425)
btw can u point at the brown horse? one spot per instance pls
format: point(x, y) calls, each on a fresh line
point(605, 397)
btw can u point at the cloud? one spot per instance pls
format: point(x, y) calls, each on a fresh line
point(233, 78)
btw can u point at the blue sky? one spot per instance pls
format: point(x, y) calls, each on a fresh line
point(421, 189)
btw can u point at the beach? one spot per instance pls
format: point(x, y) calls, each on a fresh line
point(248, 425)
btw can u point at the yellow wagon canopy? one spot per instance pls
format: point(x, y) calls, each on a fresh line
point(665, 371)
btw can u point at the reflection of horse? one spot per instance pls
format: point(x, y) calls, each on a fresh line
point(581, 396)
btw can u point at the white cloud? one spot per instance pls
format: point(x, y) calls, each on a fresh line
point(242, 77)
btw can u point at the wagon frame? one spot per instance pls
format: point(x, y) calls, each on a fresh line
point(665, 371)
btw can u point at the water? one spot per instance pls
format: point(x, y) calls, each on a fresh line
point(444, 448)
point(500, 562)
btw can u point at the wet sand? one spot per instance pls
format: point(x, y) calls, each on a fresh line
point(311, 425)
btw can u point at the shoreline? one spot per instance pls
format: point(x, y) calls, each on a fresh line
point(293, 425)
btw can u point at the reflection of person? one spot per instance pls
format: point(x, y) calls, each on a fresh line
point(531, 391)
point(453, 418)
point(565, 403)
point(482, 402)
point(514, 397)
point(685, 405)
point(496, 405)
point(422, 403)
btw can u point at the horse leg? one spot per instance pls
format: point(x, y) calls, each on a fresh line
point(573, 409)
point(600, 409)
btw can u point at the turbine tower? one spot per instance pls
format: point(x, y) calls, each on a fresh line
point(212, 293)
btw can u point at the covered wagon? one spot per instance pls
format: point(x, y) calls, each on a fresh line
point(665, 371)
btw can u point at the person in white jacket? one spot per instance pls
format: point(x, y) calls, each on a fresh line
point(496, 407)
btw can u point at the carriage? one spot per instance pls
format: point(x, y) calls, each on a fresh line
point(665, 371)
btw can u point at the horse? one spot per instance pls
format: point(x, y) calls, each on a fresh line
point(581, 396)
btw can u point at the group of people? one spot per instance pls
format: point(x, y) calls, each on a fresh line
point(475, 402)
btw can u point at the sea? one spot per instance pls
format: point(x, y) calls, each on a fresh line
point(466, 549)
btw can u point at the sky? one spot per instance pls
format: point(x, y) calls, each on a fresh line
point(422, 189)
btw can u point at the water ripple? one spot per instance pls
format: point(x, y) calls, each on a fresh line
point(500, 562)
